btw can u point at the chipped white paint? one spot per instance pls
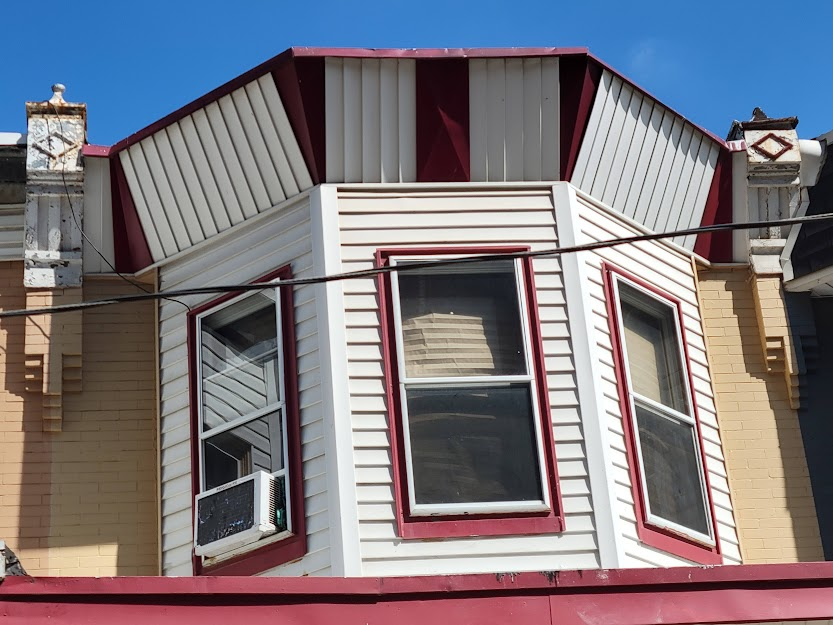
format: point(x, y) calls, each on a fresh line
point(514, 119)
point(54, 213)
point(644, 160)
point(370, 117)
point(221, 165)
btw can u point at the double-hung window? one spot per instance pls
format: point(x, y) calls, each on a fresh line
point(666, 451)
point(244, 409)
point(475, 437)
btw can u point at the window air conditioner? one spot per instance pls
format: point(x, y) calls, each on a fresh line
point(236, 514)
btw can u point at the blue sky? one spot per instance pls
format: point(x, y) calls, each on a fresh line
point(134, 62)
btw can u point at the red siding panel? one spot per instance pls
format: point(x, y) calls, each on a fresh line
point(580, 77)
point(442, 120)
point(717, 246)
point(129, 243)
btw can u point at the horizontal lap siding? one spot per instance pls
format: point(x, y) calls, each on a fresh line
point(369, 221)
point(255, 251)
point(11, 231)
point(644, 160)
point(672, 273)
point(224, 163)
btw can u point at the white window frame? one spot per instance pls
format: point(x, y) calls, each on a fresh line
point(469, 382)
point(663, 411)
point(278, 406)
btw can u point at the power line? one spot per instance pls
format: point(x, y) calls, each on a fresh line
point(413, 266)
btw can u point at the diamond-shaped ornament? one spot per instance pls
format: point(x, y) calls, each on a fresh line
point(771, 146)
point(55, 145)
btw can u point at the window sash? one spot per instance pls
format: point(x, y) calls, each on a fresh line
point(465, 383)
point(276, 406)
point(688, 419)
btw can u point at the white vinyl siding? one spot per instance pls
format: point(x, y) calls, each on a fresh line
point(514, 119)
point(11, 231)
point(223, 164)
point(255, 249)
point(475, 217)
point(644, 160)
point(671, 272)
point(98, 216)
point(370, 117)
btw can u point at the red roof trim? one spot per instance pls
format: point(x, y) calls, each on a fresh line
point(434, 53)
point(759, 576)
point(95, 150)
point(411, 53)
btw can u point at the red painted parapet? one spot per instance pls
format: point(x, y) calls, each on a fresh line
point(680, 596)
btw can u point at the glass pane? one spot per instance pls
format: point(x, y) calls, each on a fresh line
point(239, 359)
point(254, 446)
point(473, 445)
point(669, 455)
point(462, 320)
point(654, 358)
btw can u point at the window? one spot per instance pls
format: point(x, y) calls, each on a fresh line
point(665, 450)
point(244, 412)
point(475, 439)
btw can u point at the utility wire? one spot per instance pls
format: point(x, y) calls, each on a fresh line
point(414, 266)
point(78, 224)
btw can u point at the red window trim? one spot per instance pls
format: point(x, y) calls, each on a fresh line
point(274, 554)
point(504, 524)
point(652, 535)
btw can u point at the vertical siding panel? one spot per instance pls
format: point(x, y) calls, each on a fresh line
point(167, 203)
point(231, 161)
point(206, 201)
point(652, 154)
point(371, 138)
point(243, 149)
point(647, 131)
point(620, 155)
point(277, 160)
point(657, 212)
point(151, 200)
point(595, 174)
point(671, 203)
point(614, 135)
point(703, 189)
point(593, 128)
point(550, 119)
point(155, 245)
point(514, 120)
point(353, 130)
point(93, 209)
point(256, 138)
point(496, 120)
point(689, 213)
point(290, 152)
point(334, 119)
point(533, 113)
point(389, 120)
point(478, 121)
point(633, 167)
point(407, 120)
point(214, 158)
point(690, 178)
point(175, 177)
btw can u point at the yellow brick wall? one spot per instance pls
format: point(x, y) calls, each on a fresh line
point(82, 501)
point(768, 478)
